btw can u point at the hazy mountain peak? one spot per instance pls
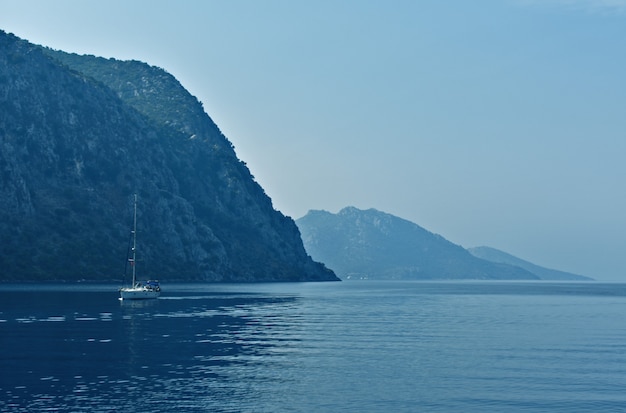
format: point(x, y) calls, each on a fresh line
point(495, 255)
point(373, 244)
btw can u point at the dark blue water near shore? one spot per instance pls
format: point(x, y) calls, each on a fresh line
point(330, 347)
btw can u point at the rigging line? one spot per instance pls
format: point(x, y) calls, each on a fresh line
point(130, 239)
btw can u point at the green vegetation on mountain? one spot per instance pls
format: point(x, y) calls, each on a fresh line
point(80, 134)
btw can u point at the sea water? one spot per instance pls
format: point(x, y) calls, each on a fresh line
point(354, 346)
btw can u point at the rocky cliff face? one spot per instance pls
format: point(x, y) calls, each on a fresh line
point(375, 245)
point(79, 135)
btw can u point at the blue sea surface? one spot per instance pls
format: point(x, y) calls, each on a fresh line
point(354, 346)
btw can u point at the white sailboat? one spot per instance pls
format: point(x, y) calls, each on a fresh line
point(137, 290)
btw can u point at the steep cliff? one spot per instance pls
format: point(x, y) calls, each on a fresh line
point(79, 135)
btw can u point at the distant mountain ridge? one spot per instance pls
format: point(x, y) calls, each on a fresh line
point(370, 244)
point(80, 134)
point(495, 255)
point(376, 245)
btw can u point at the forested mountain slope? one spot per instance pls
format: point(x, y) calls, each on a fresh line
point(79, 135)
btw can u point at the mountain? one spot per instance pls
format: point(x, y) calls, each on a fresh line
point(79, 135)
point(376, 245)
point(494, 255)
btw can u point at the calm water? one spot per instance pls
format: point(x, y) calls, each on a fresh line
point(357, 346)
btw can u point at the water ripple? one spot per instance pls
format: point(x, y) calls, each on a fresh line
point(364, 347)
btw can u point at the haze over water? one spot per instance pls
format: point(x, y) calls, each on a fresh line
point(350, 346)
point(496, 123)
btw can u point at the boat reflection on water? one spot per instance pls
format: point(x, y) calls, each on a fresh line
point(138, 303)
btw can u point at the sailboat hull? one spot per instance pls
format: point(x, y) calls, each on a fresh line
point(138, 293)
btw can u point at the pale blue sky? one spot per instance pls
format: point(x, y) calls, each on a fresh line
point(499, 123)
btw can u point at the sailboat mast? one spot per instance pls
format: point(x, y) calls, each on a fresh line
point(134, 238)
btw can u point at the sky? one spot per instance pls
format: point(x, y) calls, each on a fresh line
point(498, 123)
